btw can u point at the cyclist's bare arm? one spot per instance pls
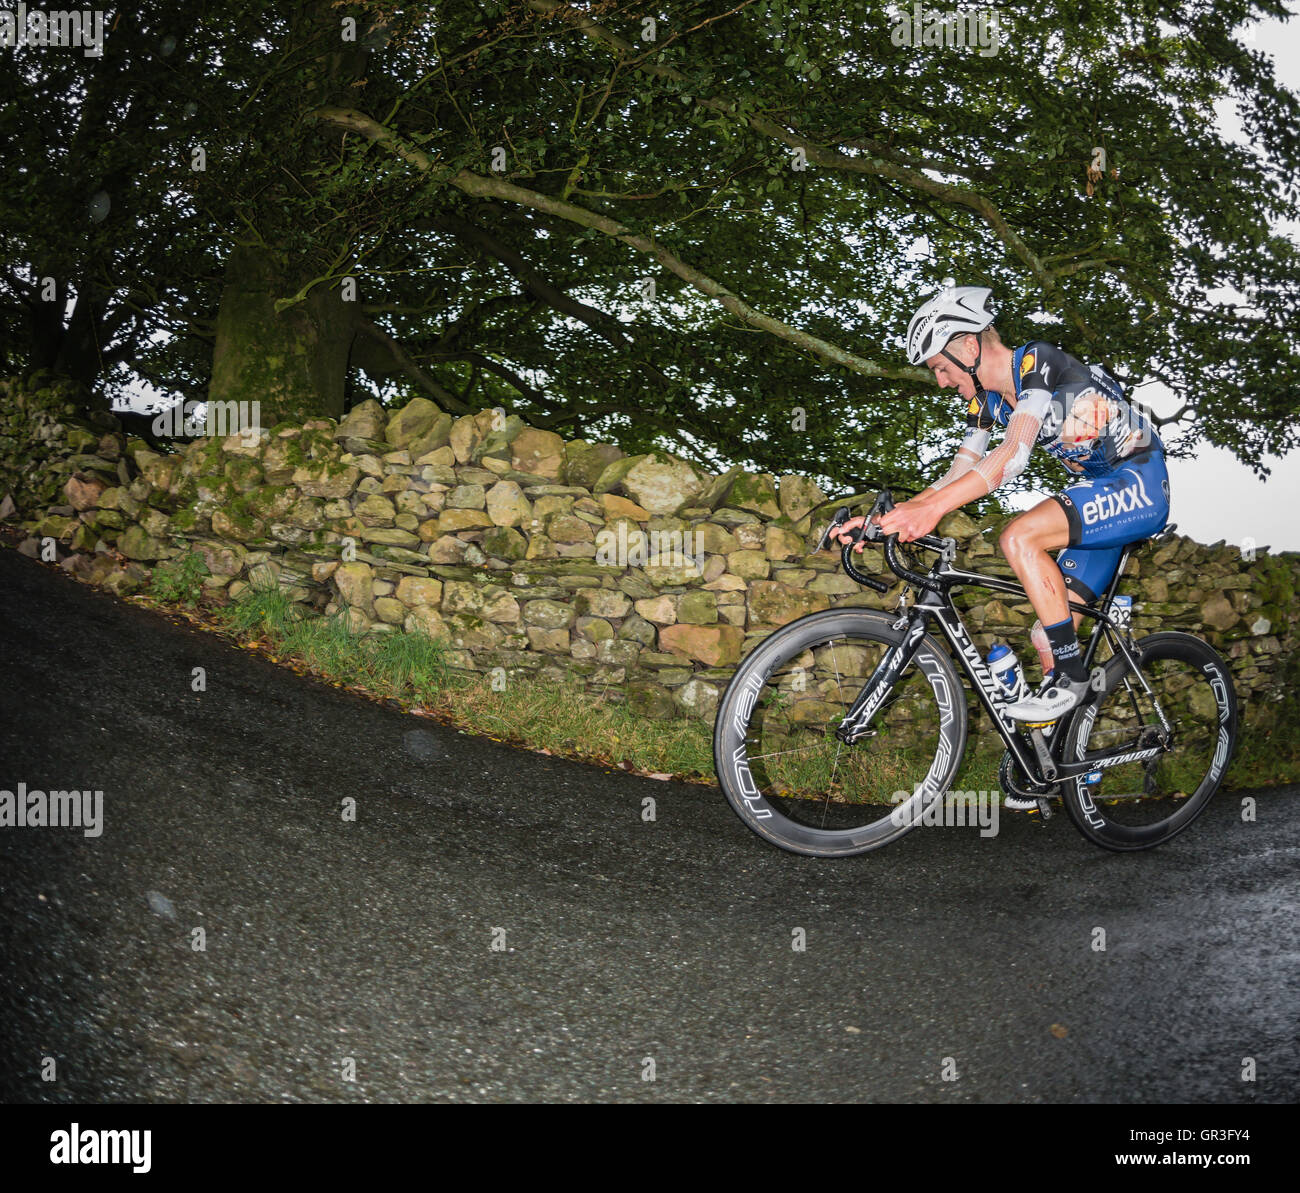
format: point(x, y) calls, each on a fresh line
point(968, 455)
point(978, 475)
point(972, 474)
point(916, 511)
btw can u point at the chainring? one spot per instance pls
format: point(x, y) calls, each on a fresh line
point(1014, 781)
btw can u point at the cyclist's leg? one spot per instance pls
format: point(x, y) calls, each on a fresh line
point(1087, 571)
point(1026, 542)
point(1105, 514)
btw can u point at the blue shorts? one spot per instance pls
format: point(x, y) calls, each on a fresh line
point(1106, 513)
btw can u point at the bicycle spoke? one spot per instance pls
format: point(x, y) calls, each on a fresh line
point(778, 753)
point(811, 776)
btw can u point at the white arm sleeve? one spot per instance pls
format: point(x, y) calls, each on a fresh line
point(1008, 459)
point(968, 455)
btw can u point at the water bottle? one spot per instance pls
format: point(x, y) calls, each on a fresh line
point(1006, 670)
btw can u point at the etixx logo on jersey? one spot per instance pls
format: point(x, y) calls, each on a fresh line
point(1120, 501)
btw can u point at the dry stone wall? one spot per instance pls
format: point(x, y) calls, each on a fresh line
point(642, 575)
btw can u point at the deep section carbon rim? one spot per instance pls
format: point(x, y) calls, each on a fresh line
point(796, 784)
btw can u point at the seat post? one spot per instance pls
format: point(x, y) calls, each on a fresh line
point(1125, 555)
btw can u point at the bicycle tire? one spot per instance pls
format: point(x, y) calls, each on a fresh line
point(739, 702)
point(1102, 817)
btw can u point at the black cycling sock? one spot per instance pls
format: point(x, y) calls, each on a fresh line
point(1065, 649)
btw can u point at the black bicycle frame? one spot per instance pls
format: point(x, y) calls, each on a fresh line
point(1043, 765)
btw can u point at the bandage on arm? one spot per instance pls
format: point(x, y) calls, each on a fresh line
point(968, 455)
point(1008, 459)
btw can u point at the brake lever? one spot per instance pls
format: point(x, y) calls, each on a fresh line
point(868, 531)
point(841, 516)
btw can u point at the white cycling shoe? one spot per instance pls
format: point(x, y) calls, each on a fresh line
point(1052, 703)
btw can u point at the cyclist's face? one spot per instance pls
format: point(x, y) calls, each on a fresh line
point(947, 374)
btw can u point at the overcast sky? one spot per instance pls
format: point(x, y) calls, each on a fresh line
point(1216, 497)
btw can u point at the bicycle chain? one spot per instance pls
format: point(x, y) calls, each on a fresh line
point(1010, 766)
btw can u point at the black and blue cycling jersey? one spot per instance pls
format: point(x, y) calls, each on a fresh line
point(1090, 426)
point(1064, 392)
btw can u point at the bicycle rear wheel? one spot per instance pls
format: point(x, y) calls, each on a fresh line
point(787, 775)
point(1142, 804)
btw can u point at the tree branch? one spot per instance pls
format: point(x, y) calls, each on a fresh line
point(444, 397)
point(602, 324)
point(480, 187)
point(831, 159)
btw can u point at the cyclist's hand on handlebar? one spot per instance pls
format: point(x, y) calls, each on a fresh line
point(911, 520)
point(844, 534)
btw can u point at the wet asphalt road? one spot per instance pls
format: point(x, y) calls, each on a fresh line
point(369, 944)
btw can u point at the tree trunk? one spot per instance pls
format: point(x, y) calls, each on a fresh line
point(295, 363)
point(79, 352)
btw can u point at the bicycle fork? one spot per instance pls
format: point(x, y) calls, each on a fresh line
point(880, 684)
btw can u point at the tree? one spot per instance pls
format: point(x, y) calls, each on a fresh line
point(707, 230)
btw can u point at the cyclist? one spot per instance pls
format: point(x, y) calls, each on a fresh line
point(1078, 413)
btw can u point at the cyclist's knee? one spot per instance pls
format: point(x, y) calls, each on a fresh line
point(1014, 538)
point(1023, 535)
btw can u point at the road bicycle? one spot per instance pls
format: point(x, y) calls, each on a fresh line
point(840, 730)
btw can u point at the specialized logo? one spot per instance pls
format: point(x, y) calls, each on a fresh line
point(1135, 756)
point(974, 660)
point(1107, 505)
point(922, 330)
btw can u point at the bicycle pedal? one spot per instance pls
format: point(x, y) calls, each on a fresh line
point(1045, 809)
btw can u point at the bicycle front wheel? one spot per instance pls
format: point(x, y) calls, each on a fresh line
point(1142, 804)
point(796, 784)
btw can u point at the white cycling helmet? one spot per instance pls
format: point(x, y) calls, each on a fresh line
point(954, 311)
